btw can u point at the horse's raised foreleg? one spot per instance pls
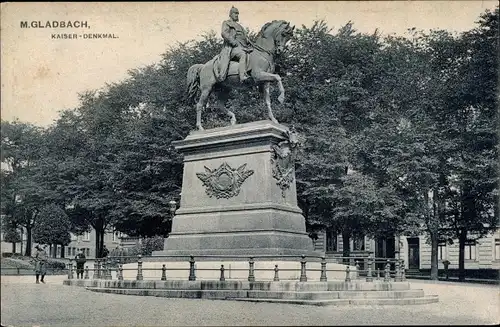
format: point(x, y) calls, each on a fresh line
point(260, 76)
point(267, 98)
point(199, 107)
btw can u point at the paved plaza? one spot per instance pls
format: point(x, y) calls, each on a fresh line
point(25, 303)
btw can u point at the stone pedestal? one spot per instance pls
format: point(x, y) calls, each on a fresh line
point(230, 203)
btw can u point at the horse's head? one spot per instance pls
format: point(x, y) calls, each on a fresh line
point(280, 31)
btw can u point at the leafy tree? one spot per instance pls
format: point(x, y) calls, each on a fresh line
point(52, 227)
point(21, 197)
point(10, 232)
point(472, 124)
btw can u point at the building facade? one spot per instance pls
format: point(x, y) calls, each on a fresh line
point(86, 242)
point(480, 255)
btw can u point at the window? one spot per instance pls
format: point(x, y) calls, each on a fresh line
point(86, 236)
point(442, 250)
point(73, 251)
point(497, 249)
point(358, 244)
point(331, 241)
point(470, 250)
point(116, 236)
point(88, 252)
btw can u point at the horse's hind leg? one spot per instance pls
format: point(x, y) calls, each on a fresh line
point(222, 96)
point(200, 105)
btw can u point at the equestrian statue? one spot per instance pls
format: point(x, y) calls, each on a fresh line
point(239, 60)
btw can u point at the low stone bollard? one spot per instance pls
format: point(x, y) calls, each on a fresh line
point(120, 272)
point(347, 274)
point(103, 273)
point(323, 270)
point(70, 269)
point(192, 275)
point(109, 274)
point(98, 269)
point(357, 269)
point(387, 272)
point(251, 274)
point(163, 272)
point(397, 277)
point(378, 273)
point(222, 278)
point(276, 276)
point(303, 276)
point(86, 272)
point(139, 268)
point(369, 276)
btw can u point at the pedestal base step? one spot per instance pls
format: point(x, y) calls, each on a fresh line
point(406, 301)
point(308, 293)
point(306, 298)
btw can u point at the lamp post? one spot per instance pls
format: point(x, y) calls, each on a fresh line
point(18, 200)
point(68, 206)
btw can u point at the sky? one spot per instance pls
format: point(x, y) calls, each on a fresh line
point(41, 76)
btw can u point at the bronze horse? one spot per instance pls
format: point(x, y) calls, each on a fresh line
point(270, 42)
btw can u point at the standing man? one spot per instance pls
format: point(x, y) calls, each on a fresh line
point(105, 251)
point(80, 262)
point(40, 258)
point(235, 36)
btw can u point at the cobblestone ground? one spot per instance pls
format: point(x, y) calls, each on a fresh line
point(24, 303)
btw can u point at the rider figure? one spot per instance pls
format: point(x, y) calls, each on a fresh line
point(236, 37)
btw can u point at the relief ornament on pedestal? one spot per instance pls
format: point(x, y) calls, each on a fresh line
point(224, 182)
point(283, 158)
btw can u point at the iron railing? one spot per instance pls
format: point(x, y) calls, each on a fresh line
point(393, 268)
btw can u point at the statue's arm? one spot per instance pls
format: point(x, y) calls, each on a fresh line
point(227, 35)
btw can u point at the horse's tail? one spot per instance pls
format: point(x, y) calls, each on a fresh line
point(193, 82)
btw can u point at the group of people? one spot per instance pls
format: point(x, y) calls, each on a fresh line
point(40, 258)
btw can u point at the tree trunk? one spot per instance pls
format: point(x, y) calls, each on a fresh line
point(13, 247)
point(97, 250)
point(62, 251)
point(346, 248)
point(433, 230)
point(461, 255)
point(102, 240)
point(54, 255)
point(28, 241)
point(434, 255)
